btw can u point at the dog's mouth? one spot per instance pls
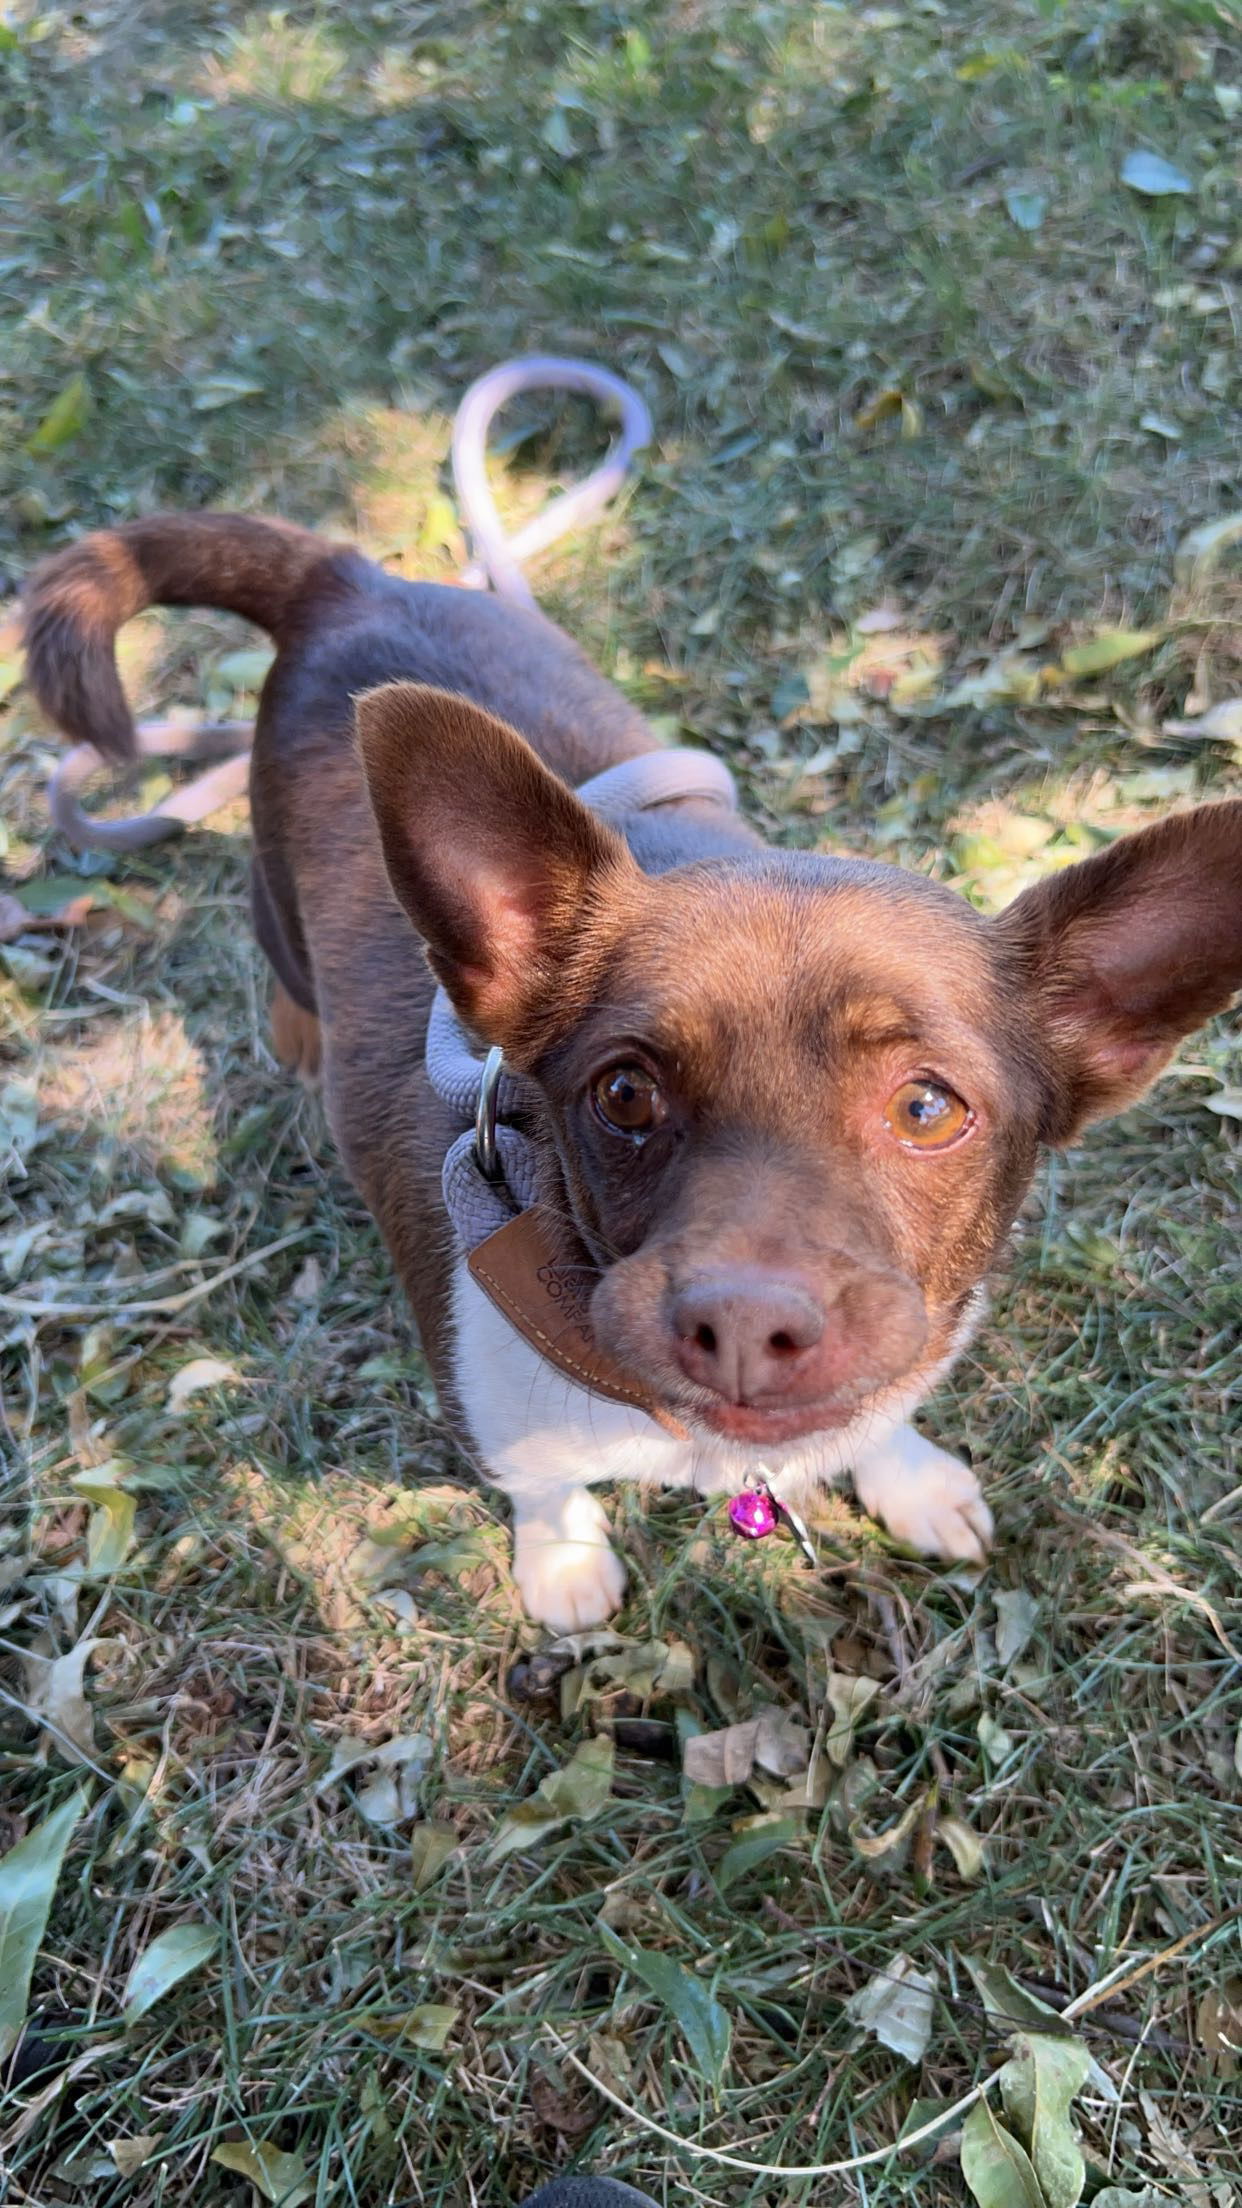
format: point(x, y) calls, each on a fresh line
point(734, 1366)
point(775, 1423)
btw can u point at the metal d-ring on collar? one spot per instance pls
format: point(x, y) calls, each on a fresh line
point(486, 1151)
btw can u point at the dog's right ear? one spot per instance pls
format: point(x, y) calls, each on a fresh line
point(496, 862)
point(1127, 953)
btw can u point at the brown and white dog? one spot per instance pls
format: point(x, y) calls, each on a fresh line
point(783, 1108)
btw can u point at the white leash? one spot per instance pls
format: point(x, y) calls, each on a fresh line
point(497, 563)
point(499, 559)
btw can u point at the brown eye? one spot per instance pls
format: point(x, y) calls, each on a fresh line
point(925, 1116)
point(628, 1101)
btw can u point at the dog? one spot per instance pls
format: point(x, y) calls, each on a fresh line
point(774, 1112)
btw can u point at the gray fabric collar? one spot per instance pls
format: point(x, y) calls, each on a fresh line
point(476, 1205)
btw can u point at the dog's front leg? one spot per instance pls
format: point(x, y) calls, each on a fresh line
point(566, 1570)
point(545, 1442)
point(924, 1496)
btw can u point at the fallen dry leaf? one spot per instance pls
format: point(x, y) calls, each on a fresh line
point(130, 2154)
point(965, 1846)
point(1016, 1615)
point(995, 1742)
point(849, 1700)
point(1220, 724)
point(200, 1373)
point(874, 1846)
point(1201, 548)
point(391, 1796)
point(57, 1696)
point(782, 1744)
point(724, 1758)
point(1173, 2150)
point(275, 2176)
point(891, 401)
point(1218, 2026)
point(430, 1848)
point(896, 2007)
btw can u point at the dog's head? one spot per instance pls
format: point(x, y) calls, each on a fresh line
point(797, 1101)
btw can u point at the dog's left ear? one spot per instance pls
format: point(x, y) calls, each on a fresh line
point(1129, 952)
point(497, 863)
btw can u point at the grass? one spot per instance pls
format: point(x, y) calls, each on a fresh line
point(255, 257)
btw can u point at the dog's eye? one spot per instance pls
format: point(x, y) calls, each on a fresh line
point(926, 1116)
point(628, 1101)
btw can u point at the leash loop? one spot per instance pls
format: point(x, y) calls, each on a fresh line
point(499, 558)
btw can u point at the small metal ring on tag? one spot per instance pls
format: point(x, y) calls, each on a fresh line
point(798, 1527)
point(486, 1150)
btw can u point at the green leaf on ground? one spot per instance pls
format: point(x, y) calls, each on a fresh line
point(1108, 648)
point(995, 2166)
point(281, 2178)
point(218, 391)
point(110, 1531)
point(1004, 2000)
point(1037, 2088)
point(706, 2027)
point(429, 2026)
point(765, 1837)
point(65, 418)
point(1026, 210)
point(1153, 176)
point(242, 671)
point(171, 1956)
point(28, 1879)
point(580, 1790)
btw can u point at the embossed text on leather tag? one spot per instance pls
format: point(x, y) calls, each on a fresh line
point(545, 1296)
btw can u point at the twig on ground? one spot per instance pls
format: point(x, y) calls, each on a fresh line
point(157, 1304)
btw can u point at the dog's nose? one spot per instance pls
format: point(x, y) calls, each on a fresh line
point(746, 1335)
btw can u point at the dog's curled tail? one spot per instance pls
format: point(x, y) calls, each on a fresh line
point(77, 600)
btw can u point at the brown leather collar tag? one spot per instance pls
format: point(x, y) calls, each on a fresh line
point(545, 1296)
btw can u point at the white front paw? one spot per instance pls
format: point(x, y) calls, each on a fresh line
point(568, 1574)
point(567, 1585)
point(926, 1498)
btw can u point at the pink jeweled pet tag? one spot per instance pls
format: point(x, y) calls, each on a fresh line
point(756, 1512)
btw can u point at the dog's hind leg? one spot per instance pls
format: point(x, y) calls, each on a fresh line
point(296, 1038)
